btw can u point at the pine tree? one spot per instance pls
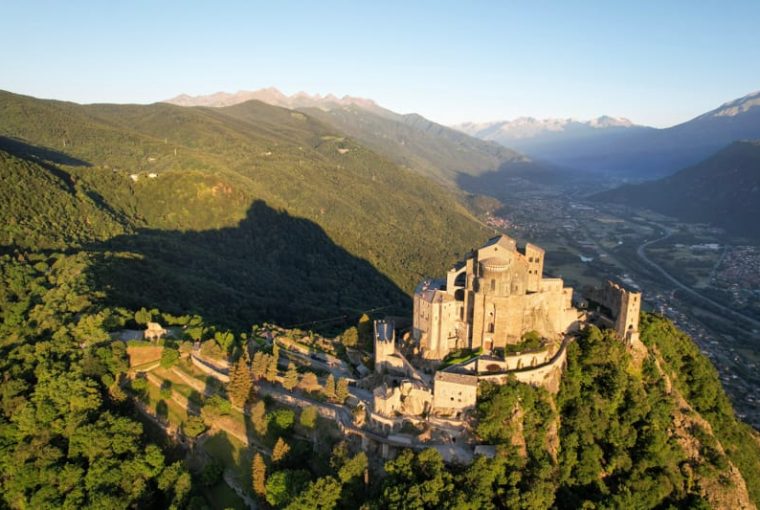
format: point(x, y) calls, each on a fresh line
point(341, 390)
point(259, 475)
point(330, 387)
point(239, 387)
point(259, 418)
point(259, 368)
point(280, 450)
point(272, 365)
point(291, 377)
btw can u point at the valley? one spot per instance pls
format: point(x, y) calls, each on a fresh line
point(696, 275)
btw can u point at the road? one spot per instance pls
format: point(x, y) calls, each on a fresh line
point(641, 252)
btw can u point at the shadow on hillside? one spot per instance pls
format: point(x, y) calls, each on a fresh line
point(514, 177)
point(38, 154)
point(271, 267)
point(44, 157)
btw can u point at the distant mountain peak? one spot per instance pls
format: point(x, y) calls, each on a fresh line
point(523, 128)
point(736, 107)
point(273, 96)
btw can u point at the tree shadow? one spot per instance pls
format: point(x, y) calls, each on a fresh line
point(271, 267)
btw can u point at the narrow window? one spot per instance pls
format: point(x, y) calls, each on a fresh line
point(493, 285)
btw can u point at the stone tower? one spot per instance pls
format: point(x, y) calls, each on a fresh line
point(535, 256)
point(385, 343)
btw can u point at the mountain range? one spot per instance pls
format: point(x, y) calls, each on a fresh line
point(620, 148)
point(410, 140)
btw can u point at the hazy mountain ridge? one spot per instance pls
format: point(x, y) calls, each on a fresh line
point(638, 152)
point(723, 190)
point(410, 140)
point(529, 127)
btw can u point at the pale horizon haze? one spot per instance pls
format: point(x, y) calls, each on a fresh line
point(655, 63)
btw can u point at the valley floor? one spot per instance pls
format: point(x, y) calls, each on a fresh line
point(702, 280)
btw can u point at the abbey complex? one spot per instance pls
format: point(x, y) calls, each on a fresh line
point(493, 317)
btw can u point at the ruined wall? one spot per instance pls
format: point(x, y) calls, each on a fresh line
point(386, 401)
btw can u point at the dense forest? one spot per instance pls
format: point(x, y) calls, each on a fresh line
point(657, 432)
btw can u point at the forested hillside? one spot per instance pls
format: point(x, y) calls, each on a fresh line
point(657, 432)
point(723, 190)
point(272, 211)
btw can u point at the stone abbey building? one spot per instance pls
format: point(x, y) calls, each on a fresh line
point(485, 307)
point(490, 300)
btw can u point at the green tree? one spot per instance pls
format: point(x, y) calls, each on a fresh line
point(418, 481)
point(143, 317)
point(322, 494)
point(308, 417)
point(353, 468)
point(283, 486)
point(224, 340)
point(193, 427)
point(169, 357)
point(283, 419)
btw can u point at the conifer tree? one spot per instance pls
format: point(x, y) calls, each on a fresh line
point(259, 475)
point(341, 390)
point(272, 366)
point(291, 377)
point(280, 450)
point(239, 387)
point(330, 387)
point(259, 367)
point(259, 418)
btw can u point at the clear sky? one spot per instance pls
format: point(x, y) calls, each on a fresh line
point(655, 62)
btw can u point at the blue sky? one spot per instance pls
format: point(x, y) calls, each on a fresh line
point(655, 62)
